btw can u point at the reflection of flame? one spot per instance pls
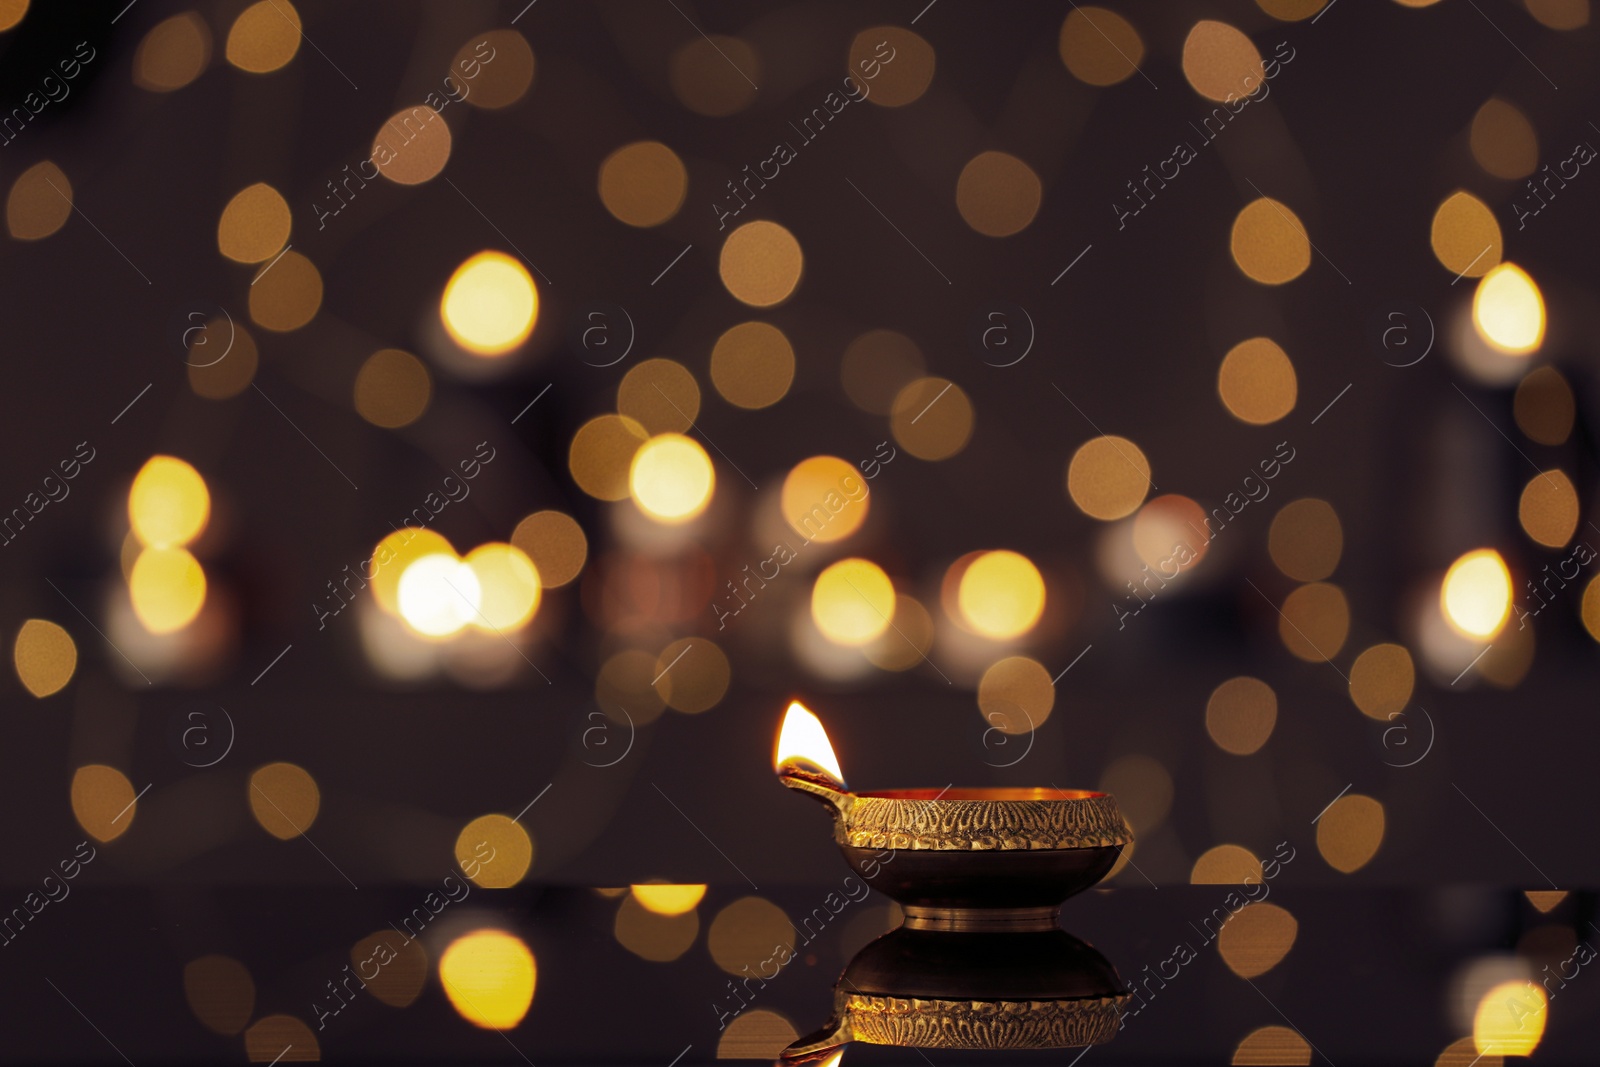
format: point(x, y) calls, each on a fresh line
point(833, 1061)
point(803, 745)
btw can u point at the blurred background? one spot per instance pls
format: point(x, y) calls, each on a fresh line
point(435, 425)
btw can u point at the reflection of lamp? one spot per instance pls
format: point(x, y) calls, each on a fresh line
point(928, 989)
point(959, 859)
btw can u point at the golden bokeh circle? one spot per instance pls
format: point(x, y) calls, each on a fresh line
point(1221, 63)
point(40, 202)
point(285, 799)
point(747, 933)
point(490, 304)
point(1108, 477)
point(1350, 832)
point(1226, 865)
point(413, 146)
point(931, 418)
point(1381, 681)
point(761, 263)
point(654, 936)
point(1465, 235)
point(752, 365)
point(898, 76)
point(1256, 939)
point(392, 388)
point(1268, 242)
point(876, 366)
point(1257, 382)
point(510, 851)
point(1548, 508)
point(1099, 46)
point(692, 675)
point(265, 36)
point(715, 75)
point(824, 499)
point(1240, 715)
point(174, 53)
point(1306, 539)
point(1314, 622)
point(660, 395)
point(601, 453)
point(45, 657)
point(1544, 406)
point(555, 543)
point(167, 588)
point(286, 293)
point(219, 377)
point(671, 478)
point(1001, 595)
point(1016, 695)
point(643, 184)
point(499, 78)
point(852, 602)
point(220, 992)
point(998, 194)
point(1503, 141)
point(103, 801)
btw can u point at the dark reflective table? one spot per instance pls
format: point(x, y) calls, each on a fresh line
point(669, 975)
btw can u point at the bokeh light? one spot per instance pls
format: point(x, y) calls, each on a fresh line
point(1099, 46)
point(167, 588)
point(392, 388)
point(715, 75)
point(601, 455)
point(692, 674)
point(1503, 141)
point(660, 395)
point(1015, 695)
point(40, 202)
point(1476, 594)
point(1107, 477)
point(1465, 236)
point(1256, 939)
point(509, 846)
point(653, 935)
point(489, 976)
point(931, 418)
point(286, 293)
point(412, 147)
point(671, 478)
point(1381, 681)
point(824, 499)
point(1221, 63)
point(254, 225)
point(496, 68)
point(1001, 594)
point(174, 53)
point(906, 643)
point(490, 304)
point(852, 601)
point(1276, 1045)
point(895, 64)
point(402, 966)
point(393, 555)
point(280, 1039)
point(761, 263)
point(876, 366)
point(45, 657)
point(220, 992)
point(1508, 310)
point(1544, 406)
point(1143, 789)
point(1314, 621)
point(508, 584)
point(1510, 1019)
point(1257, 382)
point(998, 194)
point(664, 899)
point(438, 594)
point(555, 543)
point(643, 184)
point(1350, 831)
point(752, 365)
point(103, 801)
point(1306, 540)
point(265, 36)
point(285, 799)
point(222, 359)
point(1240, 715)
point(747, 933)
point(1226, 865)
point(169, 503)
point(1548, 509)
point(1268, 242)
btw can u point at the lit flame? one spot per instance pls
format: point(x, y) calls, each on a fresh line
point(1476, 594)
point(1510, 1019)
point(803, 744)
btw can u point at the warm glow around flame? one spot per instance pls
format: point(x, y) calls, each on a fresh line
point(803, 738)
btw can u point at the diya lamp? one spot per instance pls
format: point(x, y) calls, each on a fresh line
point(959, 859)
point(926, 989)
